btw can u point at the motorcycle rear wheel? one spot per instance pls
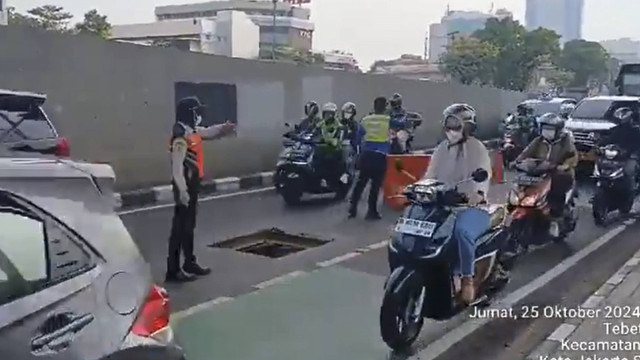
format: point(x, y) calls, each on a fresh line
point(599, 209)
point(397, 328)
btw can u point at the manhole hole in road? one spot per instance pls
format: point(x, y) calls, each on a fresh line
point(272, 243)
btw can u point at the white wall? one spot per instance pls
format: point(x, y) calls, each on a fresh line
point(245, 36)
point(4, 16)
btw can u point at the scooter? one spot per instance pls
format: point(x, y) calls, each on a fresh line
point(529, 209)
point(402, 140)
point(297, 171)
point(611, 191)
point(422, 255)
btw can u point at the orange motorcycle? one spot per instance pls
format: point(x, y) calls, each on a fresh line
point(529, 209)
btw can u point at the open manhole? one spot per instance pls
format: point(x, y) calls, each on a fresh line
point(272, 243)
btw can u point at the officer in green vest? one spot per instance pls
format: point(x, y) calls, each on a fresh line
point(373, 135)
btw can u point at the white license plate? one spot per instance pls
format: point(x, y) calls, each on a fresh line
point(415, 227)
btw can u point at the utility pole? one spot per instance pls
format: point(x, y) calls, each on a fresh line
point(273, 32)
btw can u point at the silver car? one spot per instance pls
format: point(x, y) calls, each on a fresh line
point(73, 284)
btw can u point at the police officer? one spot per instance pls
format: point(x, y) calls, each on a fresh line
point(374, 136)
point(311, 119)
point(187, 164)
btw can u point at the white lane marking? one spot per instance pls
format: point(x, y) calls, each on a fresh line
point(338, 259)
point(562, 332)
point(279, 279)
point(616, 279)
point(451, 338)
point(202, 199)
point(175, 317)
point(378, 245)
point(592, 302)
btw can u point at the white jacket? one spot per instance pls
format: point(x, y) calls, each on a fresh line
point(451, 164)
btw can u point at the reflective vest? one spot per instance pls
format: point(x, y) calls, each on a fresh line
point(194, 159)
point(377, 128)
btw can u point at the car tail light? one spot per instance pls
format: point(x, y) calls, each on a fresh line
point(154, 315)
point(63, 148)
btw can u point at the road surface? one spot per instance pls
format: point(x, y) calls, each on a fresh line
point(325, 301)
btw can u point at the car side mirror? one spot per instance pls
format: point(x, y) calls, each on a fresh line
point(480, 175)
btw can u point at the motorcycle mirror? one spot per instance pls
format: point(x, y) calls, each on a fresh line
point(287, 125)
point(480, 175)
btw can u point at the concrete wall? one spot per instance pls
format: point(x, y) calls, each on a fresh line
point(115, 102)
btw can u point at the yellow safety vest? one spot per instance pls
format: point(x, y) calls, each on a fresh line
point(377, 128)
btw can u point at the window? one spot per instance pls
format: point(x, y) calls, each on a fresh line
point(592, 109)
point(23, 256)
point(35, 250)
point(22, 119)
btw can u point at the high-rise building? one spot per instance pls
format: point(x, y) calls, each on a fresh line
point(562, 16)
point(455, 24)
point(625, 49)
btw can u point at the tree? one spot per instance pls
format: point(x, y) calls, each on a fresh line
point(15, 18)
point(519, 52)
point(559, 78)
point(51, 18)
point(470, 61)
point(95, 24)
point(587, 59)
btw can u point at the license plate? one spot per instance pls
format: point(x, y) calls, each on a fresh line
point(528, 180)
point(415, 227)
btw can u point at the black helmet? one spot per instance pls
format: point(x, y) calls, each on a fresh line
point(187, 109)
point(566, 109)
point(523, 109)
point(396, 101)
point(460, 116)
point(311, 109)
point(551, 121)
point(624, 115)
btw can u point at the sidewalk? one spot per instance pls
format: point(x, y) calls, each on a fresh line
point(609, 330)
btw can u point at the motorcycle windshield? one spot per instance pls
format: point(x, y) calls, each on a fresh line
point(296, 152)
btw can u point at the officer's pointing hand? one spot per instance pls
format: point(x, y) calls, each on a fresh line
point(228, 128)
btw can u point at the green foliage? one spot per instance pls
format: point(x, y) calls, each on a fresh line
point(470, 61)
point(95, 24)
point(587, 59)
point(50, 18)
point(560, 78)
point(15, 18)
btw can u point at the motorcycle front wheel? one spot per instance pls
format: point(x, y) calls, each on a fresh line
point(399, 326)
point(599, 208)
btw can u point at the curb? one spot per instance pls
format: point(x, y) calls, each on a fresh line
point(567, 328)
point(163, 194)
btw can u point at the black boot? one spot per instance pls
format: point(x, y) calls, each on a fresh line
point(373, 215)
point(195, 269)
point(353, 212)
point(178, 277)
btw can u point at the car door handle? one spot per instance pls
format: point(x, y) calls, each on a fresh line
point(58, 331)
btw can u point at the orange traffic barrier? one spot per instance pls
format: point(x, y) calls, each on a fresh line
point(402, 170)
point(497, 165)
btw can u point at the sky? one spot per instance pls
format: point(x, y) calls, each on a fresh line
point(375, 29)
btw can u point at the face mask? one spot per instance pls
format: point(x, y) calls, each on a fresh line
point(348, 115)
point(198, 120)
point(548, 134)
point(454, 136)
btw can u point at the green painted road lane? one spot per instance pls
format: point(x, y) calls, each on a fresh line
point(327, 314)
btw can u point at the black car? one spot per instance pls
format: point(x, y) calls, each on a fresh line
point(73, 284)
point(24, 125)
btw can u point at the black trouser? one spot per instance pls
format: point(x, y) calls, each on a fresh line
point(182, 227)
point(561, 183)
point(631, 173)
point(373, 166)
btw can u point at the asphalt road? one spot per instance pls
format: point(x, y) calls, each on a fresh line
point(330, 313)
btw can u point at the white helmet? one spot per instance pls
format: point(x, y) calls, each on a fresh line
point(330, 107)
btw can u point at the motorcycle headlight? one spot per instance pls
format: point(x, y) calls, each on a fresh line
point(610, 154)
point(529, 201)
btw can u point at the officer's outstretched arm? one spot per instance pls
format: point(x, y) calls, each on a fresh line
point(210, 132)
point(178, 154)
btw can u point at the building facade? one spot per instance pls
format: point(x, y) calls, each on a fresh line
point(455, 24)
point(340, 60)
point(4, 13)
point(232, 34)
point(562, 16)
point(625, 49)
point(293, 27)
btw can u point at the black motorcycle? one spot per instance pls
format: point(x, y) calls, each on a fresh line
point(422, 256)
point(414, 120)
point(299, 171)
point(611, 192)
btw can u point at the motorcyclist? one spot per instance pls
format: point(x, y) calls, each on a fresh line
point(453, 161)
point(525, 122)
point(626, 135)
point(556, 147)
point(399, 121)
point(349, 122)
point(331, 148)
point(311, 120)
point(565, 110)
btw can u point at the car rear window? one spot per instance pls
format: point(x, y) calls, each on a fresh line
point(22, 119)
point(600, 108)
